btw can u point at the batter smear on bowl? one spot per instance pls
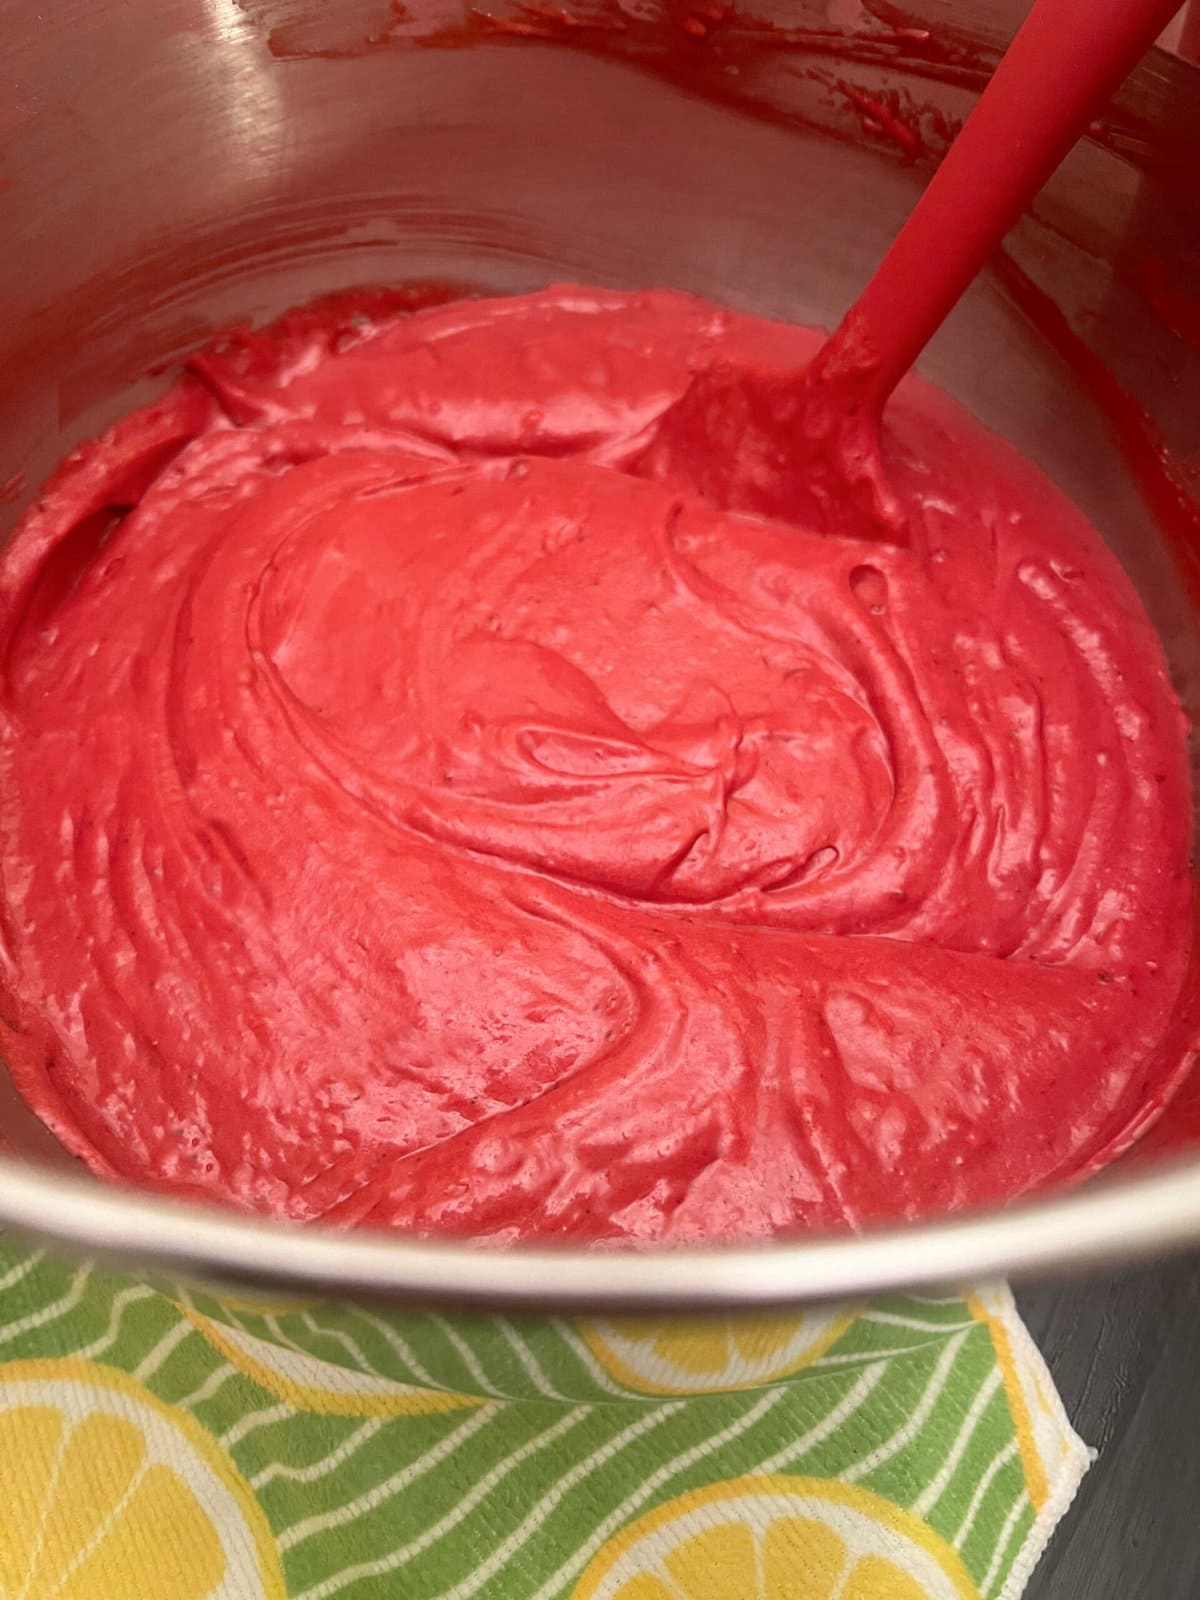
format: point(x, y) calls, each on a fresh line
point(433, 795)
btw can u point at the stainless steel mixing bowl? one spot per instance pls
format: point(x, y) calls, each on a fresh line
point(170, 166)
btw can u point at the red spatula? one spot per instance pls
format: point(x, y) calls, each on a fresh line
point(807, 446)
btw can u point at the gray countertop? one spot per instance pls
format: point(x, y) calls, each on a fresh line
point(1125, 1353)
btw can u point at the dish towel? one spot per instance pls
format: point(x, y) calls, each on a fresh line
point(163, 1445)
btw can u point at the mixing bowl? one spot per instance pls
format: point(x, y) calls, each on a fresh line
point(168, 167)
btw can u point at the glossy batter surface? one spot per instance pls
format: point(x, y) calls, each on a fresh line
point(437, 791)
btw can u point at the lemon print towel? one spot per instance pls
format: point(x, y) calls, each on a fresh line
point(163, 1445)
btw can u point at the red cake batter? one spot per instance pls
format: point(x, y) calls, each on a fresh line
point(439, 792)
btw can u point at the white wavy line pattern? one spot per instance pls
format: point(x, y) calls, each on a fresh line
point(999, 1461)
point(339, 1336)
point(991, 1577)
point(595, 1371)
point(162, 1352)
point(409, 1474)
point(254, 1420)
point(21, 1270)
point(401, 1349)
point(530, 1363)
point(796, 1449)
point(892, 1319)
point(516, 1540)
point(215, 1380)
point(912, 1424)
point(467, 1356)
point(933, 1491)
point(353, 1442)
point(51, 1313)
point(459, 1513)
point(121, 1302)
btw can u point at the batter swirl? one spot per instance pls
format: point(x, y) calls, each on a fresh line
point(423, 804)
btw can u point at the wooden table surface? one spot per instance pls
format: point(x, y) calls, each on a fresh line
point(1125, 1353)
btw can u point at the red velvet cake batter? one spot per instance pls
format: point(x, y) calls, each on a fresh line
point(438, 792)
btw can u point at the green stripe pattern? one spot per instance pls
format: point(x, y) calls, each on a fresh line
point(440, 1458)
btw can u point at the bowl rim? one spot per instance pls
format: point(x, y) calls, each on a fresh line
point(1107, 1223)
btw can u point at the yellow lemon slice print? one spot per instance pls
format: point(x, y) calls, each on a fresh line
point(111, 1494)
point(777, 1538)
point(706, 1356)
